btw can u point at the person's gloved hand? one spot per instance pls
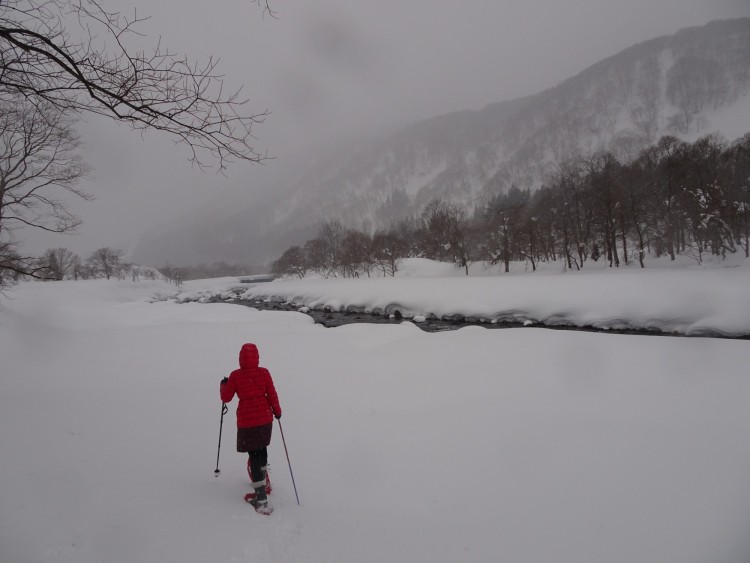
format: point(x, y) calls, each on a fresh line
point(278, 416)
point(223, 381)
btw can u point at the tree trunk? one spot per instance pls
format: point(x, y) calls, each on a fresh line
point(615, 256)
point(670, 241)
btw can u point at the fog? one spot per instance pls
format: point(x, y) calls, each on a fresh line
point(329, 70)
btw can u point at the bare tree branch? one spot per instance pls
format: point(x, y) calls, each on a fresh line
point(266, 6)
point(38, 160)
point(13, 266)
point(73, 54)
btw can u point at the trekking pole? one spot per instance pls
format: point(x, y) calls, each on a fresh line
point(289, 462)
point(224, 410)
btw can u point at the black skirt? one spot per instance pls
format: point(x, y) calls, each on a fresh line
point(255, 438)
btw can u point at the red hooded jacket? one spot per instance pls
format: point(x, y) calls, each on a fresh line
point(254, 387)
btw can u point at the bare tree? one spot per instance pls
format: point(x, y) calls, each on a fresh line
point(77, 56)
point(14, 267)
point(39, 162)
point(60, 263)
point(388, 248)
point(504, 219)
point(356, 254)
point(437, 223)
point(603, 173)
point(123, 270)
point(167, 270)
point(39, 165)
point(316, 252)
point(83, 270)
point(107, 260)
point(291, 262)
point(332, 235)
point(62, 58)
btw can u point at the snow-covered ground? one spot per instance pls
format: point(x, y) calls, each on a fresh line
point(681, 297)
point(522, 445)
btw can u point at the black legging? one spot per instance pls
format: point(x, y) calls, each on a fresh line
point(258, 459)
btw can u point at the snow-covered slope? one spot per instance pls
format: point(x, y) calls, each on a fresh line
point(692, 83)
point(521, 445)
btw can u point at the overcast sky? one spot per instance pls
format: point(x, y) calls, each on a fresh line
point(327, 68)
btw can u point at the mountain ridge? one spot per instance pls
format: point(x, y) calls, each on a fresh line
point(622, 103)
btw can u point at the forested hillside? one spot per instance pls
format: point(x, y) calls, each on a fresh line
point(687, 85)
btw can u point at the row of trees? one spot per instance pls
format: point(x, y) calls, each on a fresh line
point(337, 250)
point(63, 264)
point(178, 274)
point(57, 264)
point(675, 197)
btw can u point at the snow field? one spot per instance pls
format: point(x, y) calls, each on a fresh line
point(473, 445)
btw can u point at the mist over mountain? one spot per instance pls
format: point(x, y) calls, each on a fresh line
point(694, 82)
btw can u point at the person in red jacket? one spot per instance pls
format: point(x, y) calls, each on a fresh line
point(258, 405)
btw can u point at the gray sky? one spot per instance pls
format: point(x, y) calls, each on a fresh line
point(327, 68)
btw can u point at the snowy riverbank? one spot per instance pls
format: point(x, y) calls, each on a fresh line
point(472, 445)
point(677, 298)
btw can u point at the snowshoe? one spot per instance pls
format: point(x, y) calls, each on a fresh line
point(261, 506)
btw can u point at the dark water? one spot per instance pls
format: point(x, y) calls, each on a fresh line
point(331, 319)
